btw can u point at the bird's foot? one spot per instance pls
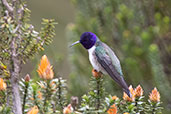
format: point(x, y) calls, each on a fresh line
point(96, 74)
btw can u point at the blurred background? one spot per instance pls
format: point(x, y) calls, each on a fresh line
point(139, 31)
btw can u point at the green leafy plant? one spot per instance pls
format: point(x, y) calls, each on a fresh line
point(139, 41)
point(139, 34)
point(19, 42)
point(48, 95)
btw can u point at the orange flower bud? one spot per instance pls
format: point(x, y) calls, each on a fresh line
point(32, 98)
point(39, 95)
point(114, 97)
point(68, 109)
point(3, 85)
point(126, 97)
point(126, 113)
point(138, 91)
point(112, 109)
point(34, 110)
point(154, 95)
point(96, 74)
point(45, 70)
point(27, 78)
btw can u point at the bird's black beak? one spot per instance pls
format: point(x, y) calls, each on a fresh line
point(74, 43)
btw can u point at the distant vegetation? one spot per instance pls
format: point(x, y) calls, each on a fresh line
point(138, 31)
point(140, 34)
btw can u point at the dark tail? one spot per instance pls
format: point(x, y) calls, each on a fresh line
point(127, 92)
point(125, 87)
point(113, 73)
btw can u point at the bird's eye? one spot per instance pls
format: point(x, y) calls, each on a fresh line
point(85, 39)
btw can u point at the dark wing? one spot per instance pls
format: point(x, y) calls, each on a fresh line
point(106, 62)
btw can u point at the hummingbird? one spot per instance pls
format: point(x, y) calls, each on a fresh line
point(103, 59)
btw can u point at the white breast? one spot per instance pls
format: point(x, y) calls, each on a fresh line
point(93, 60)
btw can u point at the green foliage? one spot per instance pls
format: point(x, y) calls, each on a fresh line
point(19, 41)
point(24, 88)
point(49, 96)
point(94, 100)
point(157, 70)
point(35, 40)
point(60, 94)
point(130, 28)
point(30, 41)
point(153, 107)
point(3, 70)
point(139, 30)
point(5, 110)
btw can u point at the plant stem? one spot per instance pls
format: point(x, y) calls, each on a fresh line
point(35, 100)
point(136, 105)
point(59, 94)
point(98, 87)
point(14, 79)
point(98, 94)
point(25, 95)
point(47, 96)
point(153, 111)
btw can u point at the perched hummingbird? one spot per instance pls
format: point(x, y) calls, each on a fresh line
point(103, 59)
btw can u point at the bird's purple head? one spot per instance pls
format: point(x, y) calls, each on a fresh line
point(88, 39)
